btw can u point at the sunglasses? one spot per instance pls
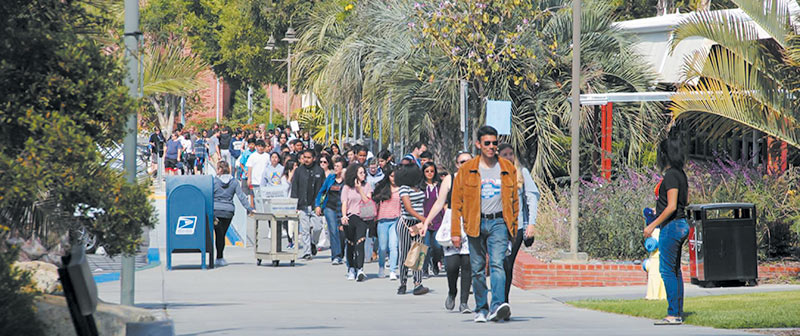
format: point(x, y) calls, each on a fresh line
point(323, 161)
point(487, 143)
point(462, 161)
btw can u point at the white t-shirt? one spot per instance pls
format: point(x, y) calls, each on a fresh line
point(256, 164)
point(186, 143)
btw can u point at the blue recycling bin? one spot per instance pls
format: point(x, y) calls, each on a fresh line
point(190, 217)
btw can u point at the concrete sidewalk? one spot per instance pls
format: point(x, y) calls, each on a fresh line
point(314, 298)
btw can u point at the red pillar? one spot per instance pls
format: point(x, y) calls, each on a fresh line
point(777, 156)
point(606, 129)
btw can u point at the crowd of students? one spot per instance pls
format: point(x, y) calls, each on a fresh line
point(473, 220)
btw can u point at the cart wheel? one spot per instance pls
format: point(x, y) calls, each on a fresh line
point(258, 262)
point(752, 283)
point(291, 263)
point(275, 263)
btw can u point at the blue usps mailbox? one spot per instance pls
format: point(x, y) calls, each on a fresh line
point(190, 217)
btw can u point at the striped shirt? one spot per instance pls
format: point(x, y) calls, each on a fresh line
point(417, 199)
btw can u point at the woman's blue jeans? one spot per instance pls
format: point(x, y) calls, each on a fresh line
point(333, 218)
point(670, 242)
point(435, 251)
point(387, 240)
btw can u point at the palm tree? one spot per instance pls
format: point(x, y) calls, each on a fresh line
point(748, 80)
point(169, 73)
point(362, 55)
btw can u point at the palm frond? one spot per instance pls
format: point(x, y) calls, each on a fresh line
point(170, 70)
point(770, 15)
point(715, 98)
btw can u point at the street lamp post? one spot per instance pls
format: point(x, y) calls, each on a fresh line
point(290, 37)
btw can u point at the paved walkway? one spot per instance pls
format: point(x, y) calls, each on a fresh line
point(315, 298)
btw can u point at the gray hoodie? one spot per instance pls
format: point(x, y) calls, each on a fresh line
point(225, 186)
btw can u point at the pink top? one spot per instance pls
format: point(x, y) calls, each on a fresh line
point(390, 209)
point(353, 198)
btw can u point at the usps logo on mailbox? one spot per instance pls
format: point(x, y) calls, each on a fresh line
point(186, 225)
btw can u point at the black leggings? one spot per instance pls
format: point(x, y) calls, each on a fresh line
point(454, 264)
point(219, 234)
point(508, 263)
point(355, 232)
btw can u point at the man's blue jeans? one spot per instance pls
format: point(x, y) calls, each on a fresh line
point(333, 218)
point(670, 241)
point(493, 240)
point(387, 240)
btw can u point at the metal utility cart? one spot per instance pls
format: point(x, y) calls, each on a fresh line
point(276, 210)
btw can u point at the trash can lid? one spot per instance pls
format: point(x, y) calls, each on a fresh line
point(714, 206)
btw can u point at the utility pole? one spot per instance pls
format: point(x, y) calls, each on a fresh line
point(347, 125)
point(218, 98)
point(327, 135)
point(289, 81)
point(270, 104)
point(380, 127)
point(575, 123)
point(464, 95)
point(391, 124)
point(249, 104)
point(131, 37)
point(183, 111)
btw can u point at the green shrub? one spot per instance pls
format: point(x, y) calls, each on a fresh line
point(611, 221)
point(610, 225)
point(16, 304)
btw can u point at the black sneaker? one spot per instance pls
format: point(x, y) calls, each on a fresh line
point(313, 249)
point(501, 313)
point(420, 290)
point(401, 290)
point(435, 267)
point(450, 302)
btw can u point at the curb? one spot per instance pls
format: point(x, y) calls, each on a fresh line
point(153, 260)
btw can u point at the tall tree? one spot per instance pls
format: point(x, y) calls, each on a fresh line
point(61, 99)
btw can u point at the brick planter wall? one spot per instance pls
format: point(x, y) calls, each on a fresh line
point(530, 273)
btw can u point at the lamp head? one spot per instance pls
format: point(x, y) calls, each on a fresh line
point(270, 43)
point(291, 36)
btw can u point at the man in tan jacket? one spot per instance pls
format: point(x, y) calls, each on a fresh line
point(485, 197)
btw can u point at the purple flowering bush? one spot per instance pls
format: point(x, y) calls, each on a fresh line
point(775, 197)
point(611, 223)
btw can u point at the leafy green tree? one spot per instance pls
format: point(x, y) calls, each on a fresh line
point(61, 98)
point(260, 110)
point(638, 9)
point(362, 54)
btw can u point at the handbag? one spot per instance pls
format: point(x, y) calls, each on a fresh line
point(367, 210)
point(416, 256)
point(443, 233)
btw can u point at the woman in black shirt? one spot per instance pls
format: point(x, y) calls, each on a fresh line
point(673, 196)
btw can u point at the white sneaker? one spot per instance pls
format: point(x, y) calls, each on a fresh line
point(361, 275)
point(392, 276)
point(220, 262)
point(501, 313)
point(480, 317)
point(351, 274)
